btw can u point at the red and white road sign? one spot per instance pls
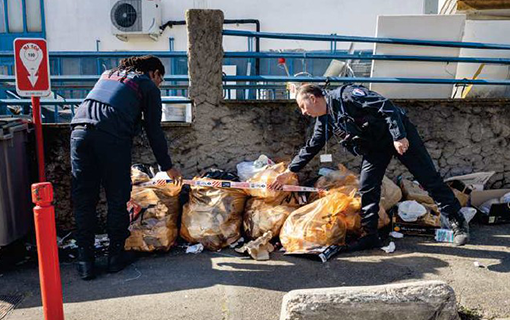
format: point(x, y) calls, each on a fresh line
point(32, 67)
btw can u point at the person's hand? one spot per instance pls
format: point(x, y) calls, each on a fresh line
point(280, 180)
point(401, 145)
point(175, 176)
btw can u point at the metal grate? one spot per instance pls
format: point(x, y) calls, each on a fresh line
point(8, 303)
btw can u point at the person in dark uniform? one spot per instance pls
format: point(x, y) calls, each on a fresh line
point(370, 125)
point(103, 128)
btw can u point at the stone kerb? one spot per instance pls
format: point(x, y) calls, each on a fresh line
point(416, 301)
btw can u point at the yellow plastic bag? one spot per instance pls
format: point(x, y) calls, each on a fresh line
point(213, 216)
point(261, 216)
point(318, 224)
point(155, 227)
point(267, 210)
point(267, 176)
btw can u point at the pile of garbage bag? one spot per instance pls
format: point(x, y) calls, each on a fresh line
point(213, 215)
point(154, 212)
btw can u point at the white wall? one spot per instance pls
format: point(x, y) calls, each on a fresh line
point(74, 25)
point(488, 32)
point(423, 27)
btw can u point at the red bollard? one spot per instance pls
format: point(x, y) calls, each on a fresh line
point(47, 251)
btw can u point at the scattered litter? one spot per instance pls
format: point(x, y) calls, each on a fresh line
point(259, 248)
point(137, 277)
point(444, 235)
point(468, 213)
point(478, 264)
point(197, 248)
point(60, 241)
point(389, 248)
point(505, 198)
point(70, 244)
point(101, 242)
point(411, 210)
point(396, 235)
point(237, 243)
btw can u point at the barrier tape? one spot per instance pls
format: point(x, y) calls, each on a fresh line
point(227, 184)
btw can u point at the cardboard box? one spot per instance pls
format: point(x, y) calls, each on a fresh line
point(412, 228)
point(499, 213)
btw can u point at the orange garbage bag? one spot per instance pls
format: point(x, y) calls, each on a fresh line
point(318, 224)
point(267, 210)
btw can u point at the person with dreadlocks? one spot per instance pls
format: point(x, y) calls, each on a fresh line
point(123, 100)
point(368, 124)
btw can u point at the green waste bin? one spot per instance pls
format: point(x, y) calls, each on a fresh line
point(15, 199)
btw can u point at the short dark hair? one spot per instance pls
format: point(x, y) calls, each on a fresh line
point(310, 89)
point(142, 64)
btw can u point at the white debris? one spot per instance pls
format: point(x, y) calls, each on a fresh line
point(389, 248)
point(478, 264)
point(197, 248)
point(396, 235)
point(237, 243)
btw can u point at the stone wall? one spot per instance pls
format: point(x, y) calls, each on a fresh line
point(462, 137)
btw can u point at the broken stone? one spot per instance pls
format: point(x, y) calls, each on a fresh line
point(416, 300)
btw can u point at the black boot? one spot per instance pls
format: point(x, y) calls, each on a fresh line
point(365, 242)
point(85, 264)
point(460, 228)
point(118, 258)
point(369, 238)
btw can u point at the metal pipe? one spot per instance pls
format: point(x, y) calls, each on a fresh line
point(320, 37)
point(78, 78)
point(51, 102)
point(366, 80)
point(88, 54)
point(360, 56)
point(172, 23)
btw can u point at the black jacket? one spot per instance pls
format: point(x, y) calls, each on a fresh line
point(353, 110)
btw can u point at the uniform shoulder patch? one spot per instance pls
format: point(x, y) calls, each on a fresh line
point(358, 92)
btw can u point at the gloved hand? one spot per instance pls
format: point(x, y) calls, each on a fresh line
point(175, 176)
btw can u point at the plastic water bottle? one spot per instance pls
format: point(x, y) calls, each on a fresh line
point(444, 235)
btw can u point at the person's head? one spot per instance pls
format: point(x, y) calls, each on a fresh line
point(149, 65)
point(311, 101)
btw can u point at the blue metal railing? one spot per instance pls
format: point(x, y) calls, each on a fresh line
point(320, 37)
point(363, 56)
point(365, 80)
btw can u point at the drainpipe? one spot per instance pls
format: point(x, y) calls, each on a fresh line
point(172, 23)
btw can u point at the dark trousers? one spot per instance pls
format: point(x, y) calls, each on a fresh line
point(418, 162)
point(98, 158)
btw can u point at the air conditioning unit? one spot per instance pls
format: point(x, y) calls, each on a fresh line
point(135, 17)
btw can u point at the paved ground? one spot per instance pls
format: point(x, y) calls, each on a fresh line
point(225, 285)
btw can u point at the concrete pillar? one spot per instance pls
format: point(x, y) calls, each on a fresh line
point(205, 56)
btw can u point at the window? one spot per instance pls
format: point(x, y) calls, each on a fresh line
point(33, 11)
point(2, 17)
point(15, 14)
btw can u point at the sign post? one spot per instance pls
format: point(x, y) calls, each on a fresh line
point(33, 80)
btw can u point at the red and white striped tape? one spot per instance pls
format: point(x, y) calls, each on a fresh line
point(227, 184)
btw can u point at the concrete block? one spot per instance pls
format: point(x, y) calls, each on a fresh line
point(416, 300)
